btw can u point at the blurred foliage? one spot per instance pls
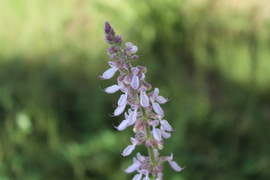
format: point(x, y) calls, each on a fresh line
point(211, 57)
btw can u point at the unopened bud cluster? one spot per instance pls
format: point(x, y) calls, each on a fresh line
point(145, 113)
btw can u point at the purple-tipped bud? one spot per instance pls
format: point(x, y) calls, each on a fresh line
point(113, 56)
point(135, 70)
point(109, 37)
point(118, 39)
point(135, 57)
point(128, 78)
point(147, 85)
point(120, 78)
point(110, 50)
point(122, 59)
point(112, 32)
point(116, 48)
point(155, 94)
point(142, 69)
point(126, 65)
point(107, 27)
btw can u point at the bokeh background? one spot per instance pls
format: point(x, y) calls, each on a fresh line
point(212, 58)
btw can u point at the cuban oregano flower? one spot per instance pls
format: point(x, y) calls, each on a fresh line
point(144, 113)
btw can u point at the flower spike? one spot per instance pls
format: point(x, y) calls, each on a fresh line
point(145, 112)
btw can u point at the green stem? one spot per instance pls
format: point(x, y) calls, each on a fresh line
point(148, 136)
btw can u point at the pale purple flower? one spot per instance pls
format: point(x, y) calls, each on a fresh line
point(136, 164)
point(144, 99)
point(156, 132)
point(122, 125)
point(166, 125)
point(137, 177)
point(174, 165)
point(109, 73)
point(157, 108)
point(164, 133)
point(132, 116)
point(122, 100)
point(130, 148)
point(134, 48)
point(153, 96)
point(119, 110)
point(135, 79)
point(135, 82)
point(112, 89)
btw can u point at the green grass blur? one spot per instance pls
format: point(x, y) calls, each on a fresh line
point(211, 57)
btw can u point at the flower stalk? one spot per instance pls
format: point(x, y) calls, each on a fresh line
point(144, 113)
point(148, 136)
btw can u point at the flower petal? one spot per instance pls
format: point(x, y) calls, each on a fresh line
point(144, 99)
point(175, 166)
point(109, 73)
point(155, 94)
point(122, 125)
point(135, 82)
point(134, 49)
point(166, 125)
point(161, 99)
point(129, 44)
point(166, 135)
point(137, 177)
point(112, 89)
point(155, 122)
point(156, 134)
point(132, 117)
point(122, 100)
point(128, 150)
point(157, 108)
point(119, 110)
point(134, 166)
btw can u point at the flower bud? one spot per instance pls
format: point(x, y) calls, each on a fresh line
point(135, 57)
point(113, 56)
point(160, 146)
point(147, 85)
point(112, 32)
point(142, 69)
point(107, 27)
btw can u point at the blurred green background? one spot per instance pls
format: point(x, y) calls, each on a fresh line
point(211, 57)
